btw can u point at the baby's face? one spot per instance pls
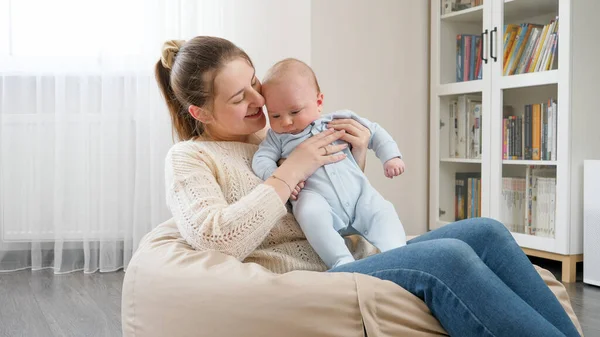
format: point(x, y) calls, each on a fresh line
point(292, 103)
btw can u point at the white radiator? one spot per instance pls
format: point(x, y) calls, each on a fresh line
point(591, 222)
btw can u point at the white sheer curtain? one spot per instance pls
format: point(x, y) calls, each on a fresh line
point(83, 128)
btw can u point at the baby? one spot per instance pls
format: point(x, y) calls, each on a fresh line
point(337, 199)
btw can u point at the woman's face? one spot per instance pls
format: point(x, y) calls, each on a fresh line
point(237, 110)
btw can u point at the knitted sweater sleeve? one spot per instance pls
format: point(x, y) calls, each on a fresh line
point(204, 217)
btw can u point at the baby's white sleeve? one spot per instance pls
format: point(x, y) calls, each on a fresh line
point(381, 141)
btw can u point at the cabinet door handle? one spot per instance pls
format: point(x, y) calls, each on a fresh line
point(482, 46)
point(492, 33)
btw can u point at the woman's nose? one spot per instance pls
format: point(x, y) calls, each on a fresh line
point(257, 99)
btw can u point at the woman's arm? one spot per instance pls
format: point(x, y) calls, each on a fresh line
point(204, 217)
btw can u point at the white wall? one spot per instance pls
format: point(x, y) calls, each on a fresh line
point(269, 30)
point(372, 57)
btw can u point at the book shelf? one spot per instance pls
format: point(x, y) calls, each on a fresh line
point(528, 69)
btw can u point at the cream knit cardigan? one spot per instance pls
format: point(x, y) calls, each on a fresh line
point(219, 204)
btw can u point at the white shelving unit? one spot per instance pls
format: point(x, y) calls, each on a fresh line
point(572, 83)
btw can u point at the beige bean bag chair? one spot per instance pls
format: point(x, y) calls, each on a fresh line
point(172, 290)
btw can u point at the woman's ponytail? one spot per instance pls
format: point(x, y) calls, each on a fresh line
point(183, 124)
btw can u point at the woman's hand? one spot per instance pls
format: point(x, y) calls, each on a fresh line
point(357, 135)
point(310, 155)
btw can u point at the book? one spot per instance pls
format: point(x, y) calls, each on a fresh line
point(535, 132)
point(522, 45)
point(466, 198)
point(505, 139)
point(530, 47)
point(512, 204)
point(462, 122)
point(510, 32)
point(478, 61)
point(448, 6)
point(540, 200)
point(513, 36)
point(543, 116)
point(531, 136)
point(468, 57)
point(527, 53)
point(453, 129)
point(554, 128)
point(527, 141)
point(512, 58)
point(538, 48)
point(459, 58)
point(550, 137)
point(468, 127)
point(474, 129)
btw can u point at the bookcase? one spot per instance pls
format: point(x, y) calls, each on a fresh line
point(513, 114)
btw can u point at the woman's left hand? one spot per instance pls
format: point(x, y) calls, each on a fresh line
point(357, 135)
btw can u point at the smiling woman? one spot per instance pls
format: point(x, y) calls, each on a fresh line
point(245, 104)
point(83, 127)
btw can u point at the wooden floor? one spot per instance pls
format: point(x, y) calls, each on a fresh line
point(585, 298)
point(42, 304)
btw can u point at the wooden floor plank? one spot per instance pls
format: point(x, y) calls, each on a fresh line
point(20, 314)
point(105, 290)
point(69, 308)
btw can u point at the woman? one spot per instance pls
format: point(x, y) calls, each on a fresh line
point(462, 271)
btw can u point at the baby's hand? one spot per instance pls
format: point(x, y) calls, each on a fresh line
point(393, 167)
point(297, 190)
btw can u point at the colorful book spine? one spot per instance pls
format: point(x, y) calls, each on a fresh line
point(543, 125)
point(466, 58)
point(473, 58)
point(513, 36)
point(478, 58)
point(528, 124)
point(503, 139)
point(516, 47)
point(453, 127)
point(521, 47)
point(535, 139)
point(459, 58)
point(554, 130)
point(538, 49)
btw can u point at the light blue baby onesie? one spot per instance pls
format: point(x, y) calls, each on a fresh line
point(337, 199)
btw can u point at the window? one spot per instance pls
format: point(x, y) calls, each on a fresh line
point(75, 35)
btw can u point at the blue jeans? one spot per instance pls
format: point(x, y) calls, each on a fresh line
point(475, 280)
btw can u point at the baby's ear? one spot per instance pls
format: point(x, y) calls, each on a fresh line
point(200, 114)
point(320, 99)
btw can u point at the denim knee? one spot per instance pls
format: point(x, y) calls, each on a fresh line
point(488, 228)
point(493, 228)
point(451, 254)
